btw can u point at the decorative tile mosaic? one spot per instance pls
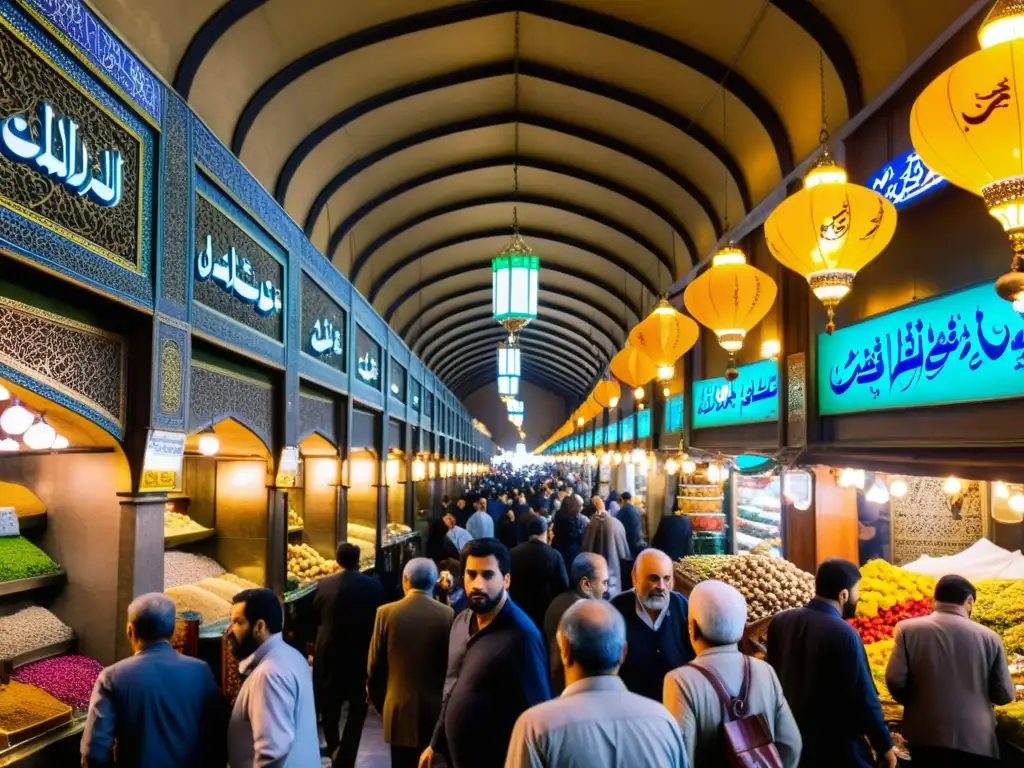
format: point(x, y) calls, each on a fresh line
point(77, 27)
point(223, 330)
point(176, 203)
point(83, 363)
point(927, 521)
point(316, 414)
point(796, 400)
point(216, 394)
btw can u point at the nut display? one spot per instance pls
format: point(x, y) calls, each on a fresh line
point(176, 524)
point(305, 563)
point(30, 629)
point(239, 581)
point(770, 584)
point(27, 711)
point(182, 568)
point(698, 568)
point(294, 521)
point(21, 559)
point(189, 597)
point(222, 588)
point(69, 678)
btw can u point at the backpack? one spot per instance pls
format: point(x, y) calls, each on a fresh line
point(747, 739)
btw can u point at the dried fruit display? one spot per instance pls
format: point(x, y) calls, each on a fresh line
point(294, 521)
point(189, 597)
point(306, 564)
point(770, 584)
point(69, 678)
point(239, 581)
point(176, 523)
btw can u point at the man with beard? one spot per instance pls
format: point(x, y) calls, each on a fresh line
point(497, 666)
point(274, 718)
point(824, 672)
point(657, 631)
point(588, 580)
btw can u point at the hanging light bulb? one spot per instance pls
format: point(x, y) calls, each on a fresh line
point(1001, 490)
point(898, 489)
point(666, 372)
point(209, 444)
point(952, 486)
point(9, 445)
point(613, 401)
point(40, 436)
point(877, 494)
point(852, 478)
point(580, 421)
point(689, 467)
point(606, 459)
point(671, 466)
point(16, 419)
point(714, 473)
point(666, 391)
point(638, 393)
point(60, 442)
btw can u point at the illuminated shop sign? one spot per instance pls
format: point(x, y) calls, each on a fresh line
point(627, 429)
point(235, 275)
point(52, 146)
point(367, 359)
point(674, 414)
point(643, 425)
point(961, 347)
point(904, 179)
point(753, 397)
point(325, 340)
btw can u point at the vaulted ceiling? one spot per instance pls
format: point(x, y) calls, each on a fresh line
point(388, 130)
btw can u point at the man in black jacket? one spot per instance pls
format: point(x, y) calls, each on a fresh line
point(657, 634)
point(345, 605)
point(824, 672)
point(538, 572)
point(629, 516)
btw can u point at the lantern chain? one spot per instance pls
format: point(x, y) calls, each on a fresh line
point(823, 136)
point(515, 156)
point(725, 142)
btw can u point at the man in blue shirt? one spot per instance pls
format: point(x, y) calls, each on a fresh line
point(821, 663)
point(163, 710)
point(480, 525)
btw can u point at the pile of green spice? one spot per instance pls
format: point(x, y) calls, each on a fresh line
point(21, 559)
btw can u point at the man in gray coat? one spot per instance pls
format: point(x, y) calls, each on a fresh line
point(606, 537)
point(596, 722)
point(406, 667)
point(947, 672)
point(162, 709)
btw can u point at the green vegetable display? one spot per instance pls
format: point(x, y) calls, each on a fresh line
point(21, 559)
point(698, 568)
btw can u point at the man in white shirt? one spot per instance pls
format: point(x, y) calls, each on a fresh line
point(596, 722)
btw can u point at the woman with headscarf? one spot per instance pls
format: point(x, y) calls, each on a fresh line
point(612, 502)
point(568, 529)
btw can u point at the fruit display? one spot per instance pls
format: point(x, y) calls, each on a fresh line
point(189, 597)
point(21, 559)
point(182, 568)
point(29, 630)
point(770, 584)
point(306, 564)
point(882, 625)
point(999, 605)
point(68, 678)
point(27, 711)
point(294, 521)
point(883, 586)
point(178, 524)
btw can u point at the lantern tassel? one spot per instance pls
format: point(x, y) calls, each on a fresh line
point(830, 326)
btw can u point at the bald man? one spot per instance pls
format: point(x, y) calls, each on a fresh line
point(656, 625)
point(595, 722)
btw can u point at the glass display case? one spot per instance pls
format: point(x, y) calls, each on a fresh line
point(757, 513)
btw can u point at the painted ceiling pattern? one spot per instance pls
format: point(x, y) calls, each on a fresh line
point(388, 130)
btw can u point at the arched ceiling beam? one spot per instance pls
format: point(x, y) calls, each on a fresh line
point(579, 274)
point(542, 305)
point(586, 369)
point(480, 313)
point(560, 370)
point(202, 43)
point(542, 201)
point(536, 163)
point(530, 233)
point(489, 121)
point(483, 372)
point(583, 18)
point(494, 334)
point(537, 71)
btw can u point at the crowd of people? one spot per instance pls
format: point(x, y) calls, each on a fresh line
point(545, 633)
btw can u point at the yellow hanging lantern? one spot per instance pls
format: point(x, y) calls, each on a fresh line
point(730, 299)
point(966, 125)
point(829, 231)
point(665, 335)
point(607, 393)
point(633, 367)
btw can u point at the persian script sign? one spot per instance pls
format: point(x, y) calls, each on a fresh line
point(906, 178)
point(961, 347)
point(751, 398)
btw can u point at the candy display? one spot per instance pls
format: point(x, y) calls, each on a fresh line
point(770, 584)
point(177, 524)
point(187, 568)
point(882, 624)
point(189, 597)
point(758, 514)
point(305, 563)
point(27, 711)
point(21, 559)
point(884, 586)
point(29, 630)
point(69, 678)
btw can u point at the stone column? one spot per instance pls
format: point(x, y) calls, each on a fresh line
point(140, 555)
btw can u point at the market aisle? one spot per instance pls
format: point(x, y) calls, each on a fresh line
point(373, 752)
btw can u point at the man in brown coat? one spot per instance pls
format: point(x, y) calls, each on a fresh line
point(947, 672)
point(407, 663)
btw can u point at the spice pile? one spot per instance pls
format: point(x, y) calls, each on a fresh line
point(21, 559)
point(29, 630)
point(27, 711)
point(182, 568)
point(69, 678)
point(191, 597)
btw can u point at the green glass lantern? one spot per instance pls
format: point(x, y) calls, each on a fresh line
point(514, 280)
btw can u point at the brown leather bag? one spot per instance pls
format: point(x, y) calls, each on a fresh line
point(747, 739)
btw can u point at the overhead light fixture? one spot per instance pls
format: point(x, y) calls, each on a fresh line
point(771, 349)
point(638, 393)
point(1016, 503)
point(877, 493)
point(689, 467)
point(16, 418)
point(613, 401)
point(209, 443)
point(579, 421)
point(40, 436)
point(671, 466)
point(666, 392)
point(714, 472)
point(852, 478)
